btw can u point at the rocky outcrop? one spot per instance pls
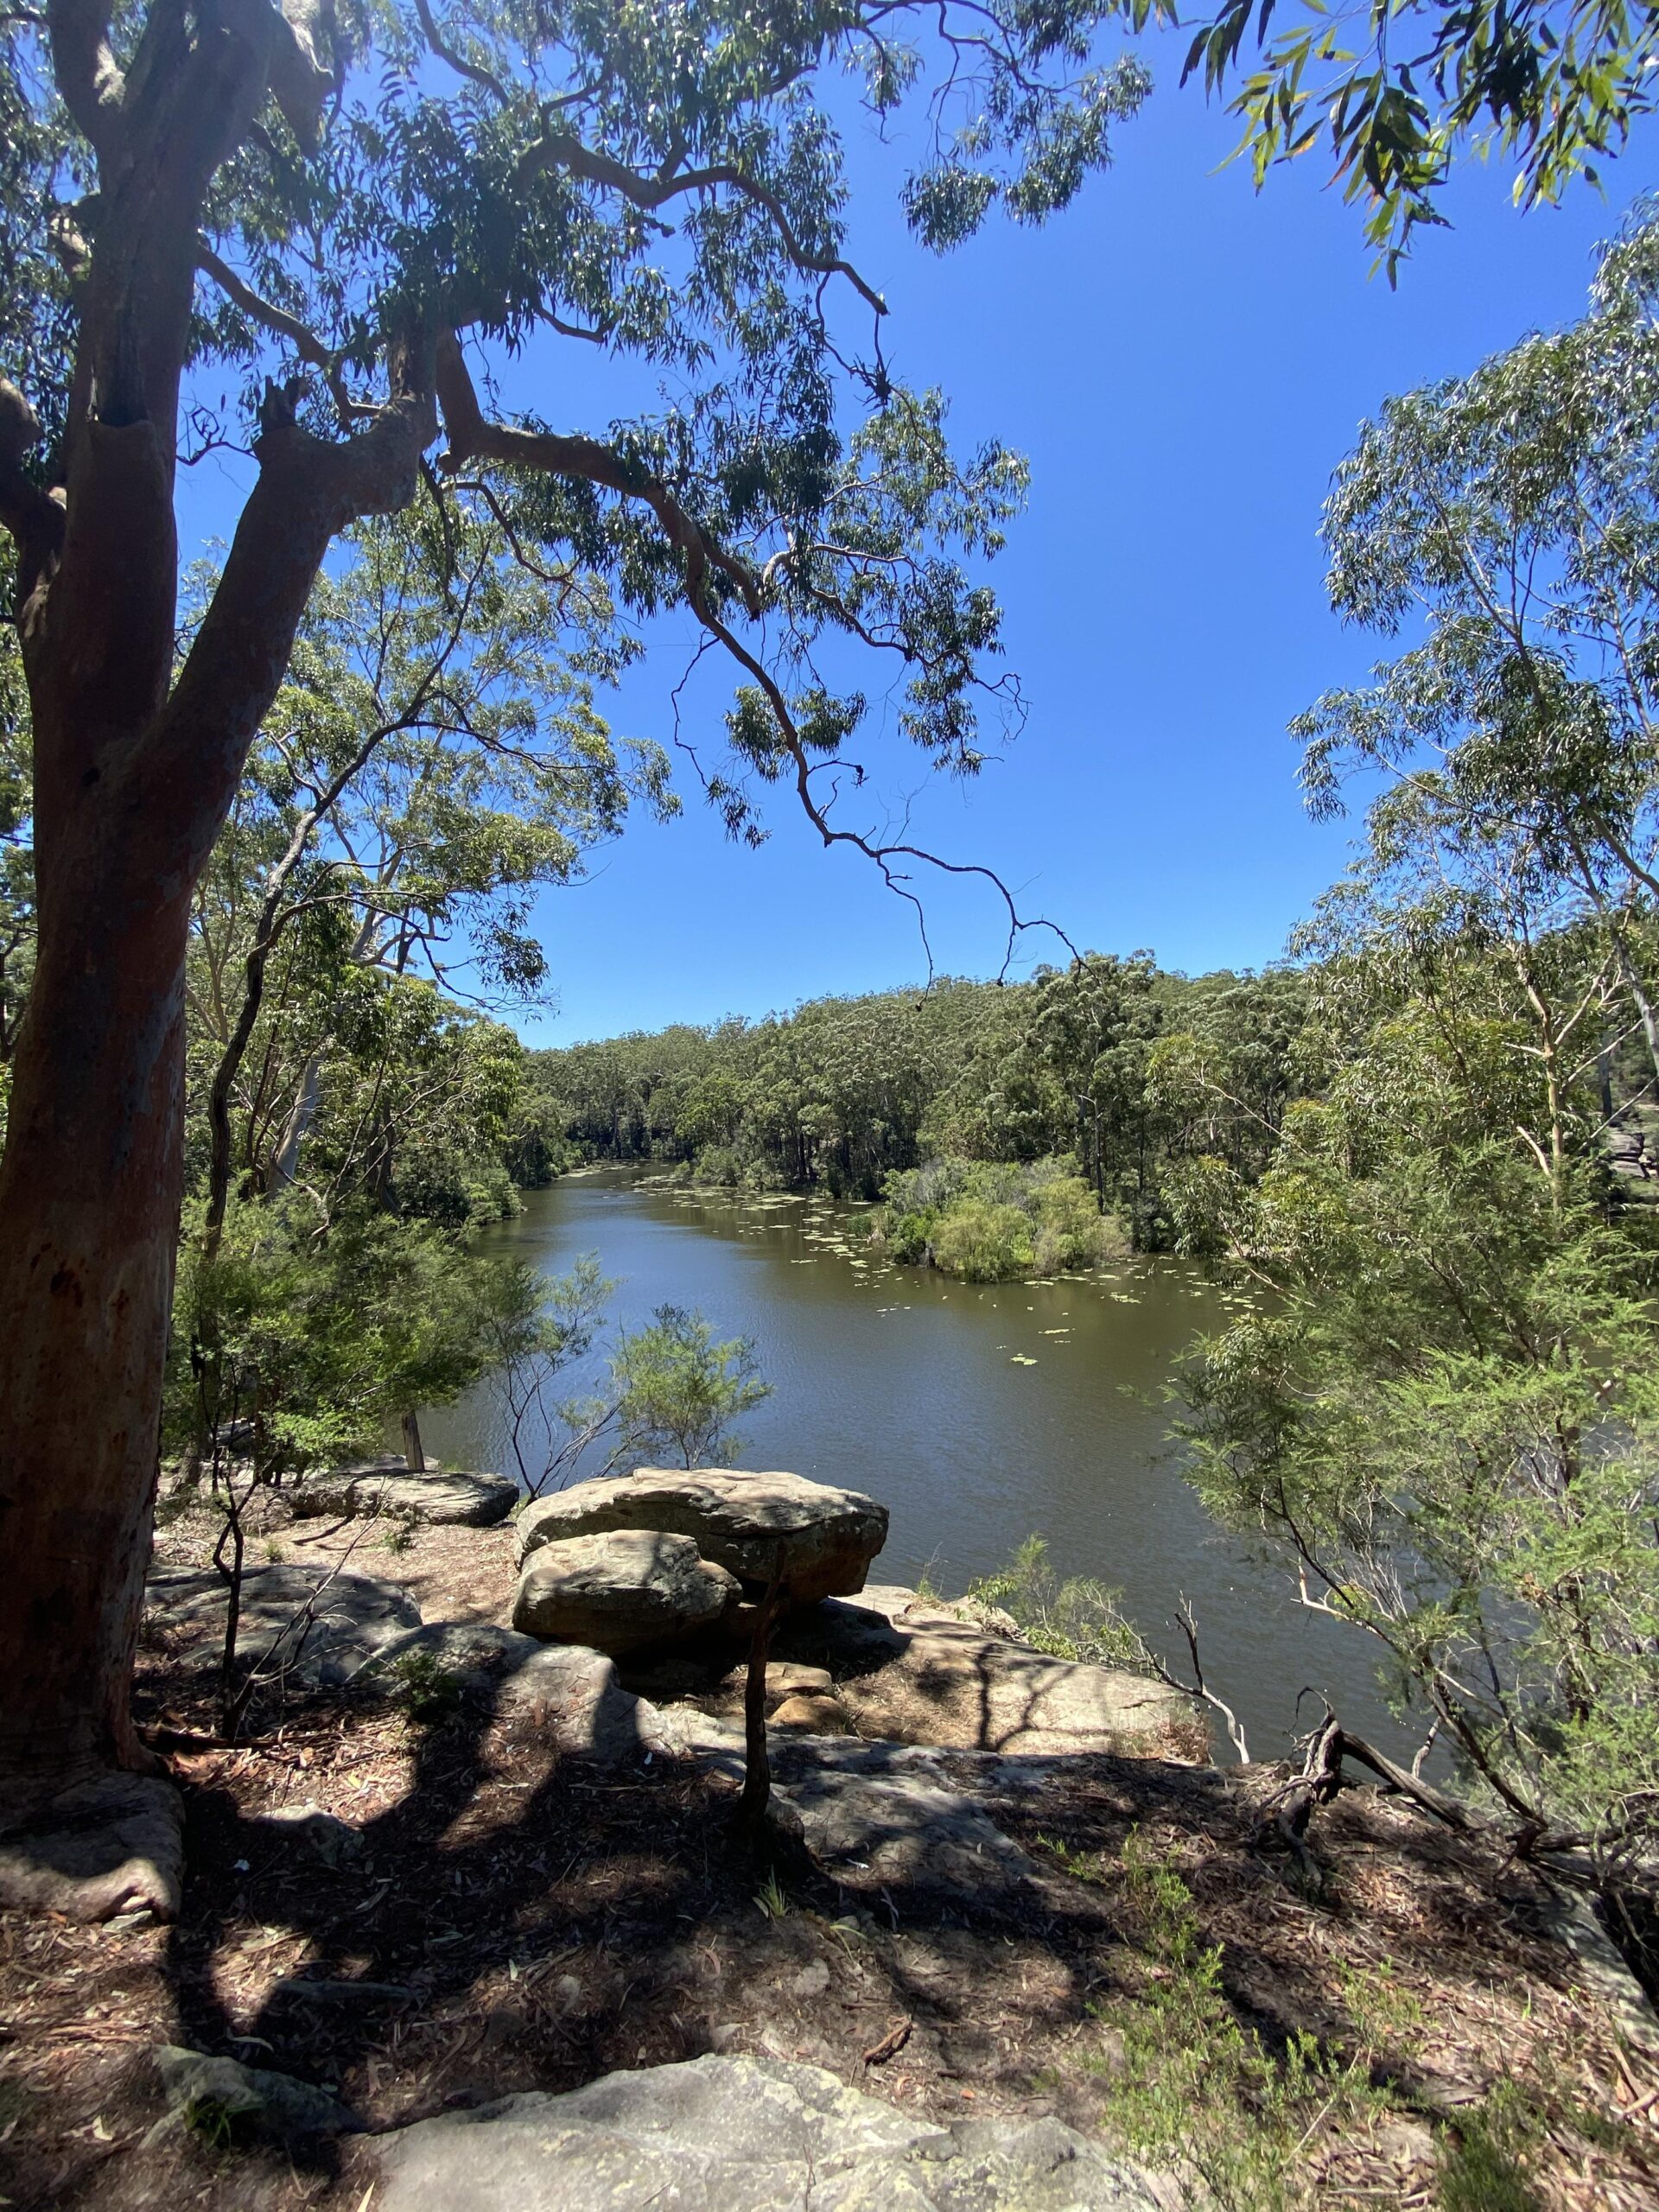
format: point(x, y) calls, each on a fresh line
point(913, 1673)
point(442, 1500)
point(623, 1590)
point(330, 1622)
point(109, 1845)
point(747, 2135)
point(736, 1519)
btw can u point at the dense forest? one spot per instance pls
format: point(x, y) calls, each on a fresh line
point(1079, 1062)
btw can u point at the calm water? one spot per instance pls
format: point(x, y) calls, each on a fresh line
point(894, 1381)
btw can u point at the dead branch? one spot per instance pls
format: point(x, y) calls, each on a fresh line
point(757, 1767)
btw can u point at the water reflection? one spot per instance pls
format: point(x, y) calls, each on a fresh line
point(977, 1413)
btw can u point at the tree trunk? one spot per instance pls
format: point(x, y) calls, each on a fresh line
point(89, 1200)
point(414, 1457)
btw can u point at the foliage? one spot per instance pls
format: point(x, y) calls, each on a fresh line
point(427, 1690)
point(1076, 1618)
point(673, 1389)
point(1397, 92)
point(678, 1391)
point(1140, 1070)
point(1443, 1412)
point(429, 764)
point(1197, 2085)
point(535, 1329)
point(988, 1222)
point(308, 1346)
point(671, 186)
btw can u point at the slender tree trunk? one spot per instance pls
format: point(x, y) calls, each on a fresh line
point(414, 1457)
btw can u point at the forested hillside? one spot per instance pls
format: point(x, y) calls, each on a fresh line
point(1083, 1061)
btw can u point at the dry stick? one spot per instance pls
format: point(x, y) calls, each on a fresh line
point(757, 1768)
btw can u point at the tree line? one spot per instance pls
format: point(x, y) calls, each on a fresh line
point(1081, 1063)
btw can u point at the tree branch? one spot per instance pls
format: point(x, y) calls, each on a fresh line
point(33, 517)
point(558, 150)
point(461, 67)
point(83, 68)
point(305, 342)
point(308, 490)
point(474, 438)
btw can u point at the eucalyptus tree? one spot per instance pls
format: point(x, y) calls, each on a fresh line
point(366, 219)
point(1508, 521)
point(432, 761)
point(1397, 93)
point(1441, 1414)
point(17, 857)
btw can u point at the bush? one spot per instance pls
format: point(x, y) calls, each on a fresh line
point(987, 1221)
point(983, 1242)
point(717, 1164)
point(1079, 1618)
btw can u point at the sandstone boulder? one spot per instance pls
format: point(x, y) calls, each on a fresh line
point(441, 1500)
point(787, 1678)
point(720, 2134)
point(815, 1715)
point(113, 1844)
point(912, 1672)
point(736, 1518)
point(621, 1590)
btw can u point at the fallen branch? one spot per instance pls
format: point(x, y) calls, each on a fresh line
point(890, 2045)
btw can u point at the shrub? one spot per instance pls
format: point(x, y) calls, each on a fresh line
point(983, 1242)
point(988, 1221)
point(1078, 1619)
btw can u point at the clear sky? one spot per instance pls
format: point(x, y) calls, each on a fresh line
point(1184, 363)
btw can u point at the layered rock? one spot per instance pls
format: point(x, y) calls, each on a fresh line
point(329, 1621)
point(908, 1671)
point(736, 1518)
point(442, 1500)
point(747, 2135)
point(621, 1590)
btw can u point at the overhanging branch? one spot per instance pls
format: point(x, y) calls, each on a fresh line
point(559, 149)
point(306, 343)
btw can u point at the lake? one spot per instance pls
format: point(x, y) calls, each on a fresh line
point(979, 1414)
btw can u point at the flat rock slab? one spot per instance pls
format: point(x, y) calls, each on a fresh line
point(572, 1695)
point(736, 1518)
point(442, 1500)
point(914, 1674)
point(331, 1623)
point(874, 1814)
point(622, 1590)
point(747, 2135)
point(111, 1845)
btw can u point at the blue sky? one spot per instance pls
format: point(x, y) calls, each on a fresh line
point(1184, 362)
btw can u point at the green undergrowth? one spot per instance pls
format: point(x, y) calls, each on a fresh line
point(1185, 2083)
point(1073, 1617)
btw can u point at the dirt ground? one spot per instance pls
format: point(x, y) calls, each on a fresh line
point(513, 1920)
